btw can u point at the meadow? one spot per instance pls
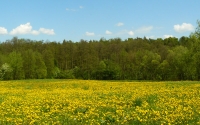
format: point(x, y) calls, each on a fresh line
point(80, 102)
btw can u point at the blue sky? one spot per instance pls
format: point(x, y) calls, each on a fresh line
point(56, 20)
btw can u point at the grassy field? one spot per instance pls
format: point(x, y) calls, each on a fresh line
point(79, 102)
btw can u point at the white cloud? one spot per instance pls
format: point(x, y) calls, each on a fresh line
point(144, 29)
point(3, 30)
point(35, 32)
point(27, 29)
point(125, 32)
point(81, 7)
point(120, 24)
point(167, 36)
point(150, 37)
point(184, 27)
point(47, 31)
point(22, 29)
point(131, 33)
point(89, 34)
point(108, 32)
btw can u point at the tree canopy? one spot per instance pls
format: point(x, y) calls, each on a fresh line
point(133, 58)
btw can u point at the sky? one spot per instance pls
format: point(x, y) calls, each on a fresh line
point(56, 20)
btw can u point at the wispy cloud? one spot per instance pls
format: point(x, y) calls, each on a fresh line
point(72, 9)
point(131, 33)
point(35, 32)
point(27, 29)
point(122, 32)
point(3, 31)
point(167, 36)
point(125, 32)
point(184, 27)
point(150, 37)
point(120, 24)
point(89, 34)
point(144, 29)
point(47, 31)
point(108, 32)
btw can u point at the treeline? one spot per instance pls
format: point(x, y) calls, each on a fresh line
point(134, 59)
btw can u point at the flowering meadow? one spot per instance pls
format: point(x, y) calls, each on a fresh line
point(80, 102)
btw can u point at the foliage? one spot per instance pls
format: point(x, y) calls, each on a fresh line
point(4, 70)
point(113, 59)
point(40, 67)
point(16, 63)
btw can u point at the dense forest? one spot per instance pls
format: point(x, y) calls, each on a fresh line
point(114, 59)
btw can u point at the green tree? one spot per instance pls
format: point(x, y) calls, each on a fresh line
point(16, 63)
point(124, 63)
point(98, 74)
point(2, 59)
point(197, 31)
point(29, 64)
point(4, 69)
point(49, 62)
point(195, 54)
point(171, 41)
point(40, 67)
point(163, 71)
point(177, 62)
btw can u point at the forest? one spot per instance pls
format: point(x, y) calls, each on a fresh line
point(113, 59)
